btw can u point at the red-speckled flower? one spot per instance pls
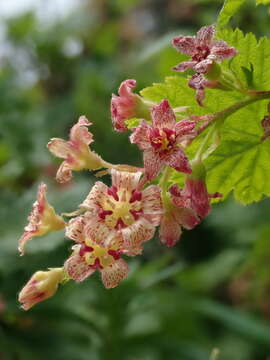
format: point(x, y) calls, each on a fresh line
point(97, 248)
point(41, 286)
point(76, 151)
point(161, 141)
point(125, 209)
point(42, 219)
point(127, 106)
point(204, 51)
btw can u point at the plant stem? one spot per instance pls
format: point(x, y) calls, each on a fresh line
point(223, 114)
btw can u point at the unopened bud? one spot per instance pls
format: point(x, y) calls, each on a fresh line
point(41, 286)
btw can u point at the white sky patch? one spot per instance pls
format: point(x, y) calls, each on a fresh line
point(45, 9)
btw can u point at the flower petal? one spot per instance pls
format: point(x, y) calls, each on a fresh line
point(64, 173)
point(185, 65)
point(79, 133)
point(151, 204)
point(141, 136)
point(95, 197)
point(125, 180)
point(205, 35)
point(184, 127)
point(135, 234)
point(77, 269)
point(221, 50)
point(152, 164)
point(184, 44)
point(186, 218)
point(112, 275)
point(163, 115)
point(59, 147)
point(97, 231)
point(170, 231)
point(179, 161)
point(74, 229)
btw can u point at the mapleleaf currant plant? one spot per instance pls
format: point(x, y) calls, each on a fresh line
point(178, 147)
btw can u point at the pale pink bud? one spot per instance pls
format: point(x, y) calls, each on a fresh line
point(42, 219)
point(41, 286)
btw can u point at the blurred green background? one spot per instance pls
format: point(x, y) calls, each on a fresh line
point(61, 59)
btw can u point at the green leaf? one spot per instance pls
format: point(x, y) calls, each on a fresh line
point(241, 164)
point(230, 7)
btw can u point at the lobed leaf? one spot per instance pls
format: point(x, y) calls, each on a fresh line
point(230, 7)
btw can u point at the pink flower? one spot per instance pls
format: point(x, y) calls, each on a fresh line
point(126, 210)
point(199, 82)
point(204, 51)
point(41, 286)
point(175, 217)
point(127, 106)
point(161, 141)
point(42, 219)
point(76, 151)
point(97, 249)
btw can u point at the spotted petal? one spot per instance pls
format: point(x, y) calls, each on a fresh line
point(77, 269)
point(140, 136)
point(179, 161)
point(95, 197)
point(152, 164)
point(163, 115)
point(205, 35)
point(170, 231)
point(125, 180)
point(112, 275)
point(151, 203)
point(135, 234)
point(184, 44)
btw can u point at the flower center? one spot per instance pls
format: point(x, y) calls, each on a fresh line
point(98, 257)
point(201, 53)
point(162, 140)
point(121, 208)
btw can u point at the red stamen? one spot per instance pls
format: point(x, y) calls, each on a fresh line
point(120, 224)
point(135, 196)
point(84, 249)
point(113, 192)
point(103, 213)
point(115, 254)
point(136, 214)
point(97, 265)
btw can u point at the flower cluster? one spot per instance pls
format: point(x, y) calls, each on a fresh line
point(114, 222)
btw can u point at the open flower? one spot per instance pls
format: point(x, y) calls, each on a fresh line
point(126, 210)
point(127, 106)
point(42, 219)
point(41, 286)
point(176, 216)
point(161, 141)
point(204, 51)
point(97, 249)
point(76, 151)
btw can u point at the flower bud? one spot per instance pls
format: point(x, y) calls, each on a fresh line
point(41, 286)
point(127, 106)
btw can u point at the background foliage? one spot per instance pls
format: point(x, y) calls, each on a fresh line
point(213, 288)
